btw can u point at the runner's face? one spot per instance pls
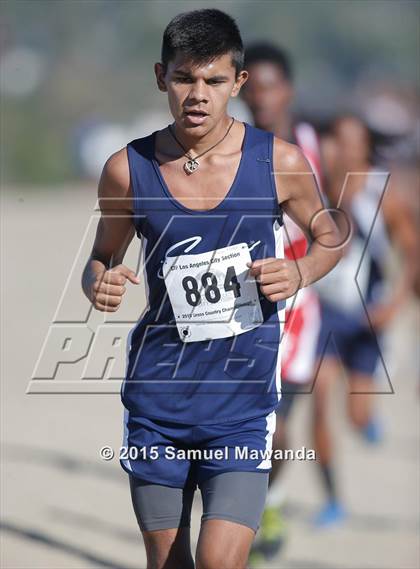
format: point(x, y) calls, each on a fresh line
point(198, 94)
point(353, 143)
point(267, 93)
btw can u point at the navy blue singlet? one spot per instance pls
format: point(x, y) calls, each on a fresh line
point(219, 380)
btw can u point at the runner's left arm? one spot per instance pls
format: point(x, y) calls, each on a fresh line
point(300, 199)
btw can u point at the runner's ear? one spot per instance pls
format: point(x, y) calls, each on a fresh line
point(160, 77)
point(239, 81)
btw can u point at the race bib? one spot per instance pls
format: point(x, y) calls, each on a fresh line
point(212, 294)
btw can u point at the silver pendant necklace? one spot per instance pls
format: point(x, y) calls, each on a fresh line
point(192, 164)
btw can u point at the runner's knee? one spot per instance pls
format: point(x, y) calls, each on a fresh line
point(168, 550)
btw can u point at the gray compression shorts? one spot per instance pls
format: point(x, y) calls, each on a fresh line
point(234, 496)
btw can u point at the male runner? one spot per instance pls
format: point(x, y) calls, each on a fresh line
point(203, 370)
point(346, 338)
point(268, 94)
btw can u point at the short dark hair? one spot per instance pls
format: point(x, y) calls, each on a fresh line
point(263, 52)
point(203, 35)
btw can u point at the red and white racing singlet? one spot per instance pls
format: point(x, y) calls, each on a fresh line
point(302, 311)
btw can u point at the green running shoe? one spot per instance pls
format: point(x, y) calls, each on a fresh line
point(272, 537)
point(256, 559)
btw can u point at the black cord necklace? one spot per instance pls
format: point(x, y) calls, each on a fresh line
point(192, 163)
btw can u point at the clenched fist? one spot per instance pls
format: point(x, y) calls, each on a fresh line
point(108, 288)
point(278, 278)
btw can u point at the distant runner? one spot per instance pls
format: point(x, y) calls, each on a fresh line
point(268, 94)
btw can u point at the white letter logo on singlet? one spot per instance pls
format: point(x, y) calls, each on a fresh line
point(194, 242)
point(212, 294)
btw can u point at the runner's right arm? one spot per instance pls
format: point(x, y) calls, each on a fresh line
point(104, 275)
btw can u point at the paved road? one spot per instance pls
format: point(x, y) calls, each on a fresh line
point(65, 508)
